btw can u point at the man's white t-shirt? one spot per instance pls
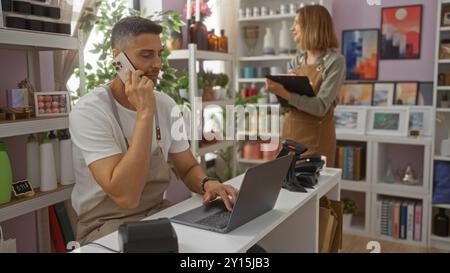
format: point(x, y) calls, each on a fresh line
point(96, 135)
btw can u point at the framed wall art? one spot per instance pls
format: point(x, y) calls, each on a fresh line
point(361, 50)
point(401, 31)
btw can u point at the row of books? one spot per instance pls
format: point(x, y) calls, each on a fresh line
point(400, 219)
point(351, 159)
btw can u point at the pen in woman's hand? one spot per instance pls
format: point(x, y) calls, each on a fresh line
point(291, 69)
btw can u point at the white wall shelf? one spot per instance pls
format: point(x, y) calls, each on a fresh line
point(214, 147)
point(442, 158)
point(442, 88)
point(444, 206)
point(203, 55)
point(443, 110)
point(401, 190)
point(222, 103)
point(444, 61)
point(424, 140)
point(266, 58)
point(267, 18)
point(31, 126)
point(253, 80)
point(363, 186)
point(40, 200)
point(440, 239)
point(43, 41)
point(445, 29)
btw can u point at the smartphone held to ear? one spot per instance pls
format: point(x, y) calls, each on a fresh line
point(122, 65)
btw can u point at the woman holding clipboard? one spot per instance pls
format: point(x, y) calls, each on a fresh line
point(310, 120)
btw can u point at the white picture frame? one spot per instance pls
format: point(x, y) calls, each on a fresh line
point(383, 94)
point(1, 16)
point(420, 119)
point(350, 120)
point(50, 104)
point(388, 121)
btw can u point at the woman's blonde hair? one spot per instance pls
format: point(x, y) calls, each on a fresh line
point(317, 28)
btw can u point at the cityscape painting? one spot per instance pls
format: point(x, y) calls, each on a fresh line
point(401, 32)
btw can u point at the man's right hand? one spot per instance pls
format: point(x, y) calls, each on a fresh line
point(139, 90)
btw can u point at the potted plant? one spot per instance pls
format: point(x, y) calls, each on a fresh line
point(209, 81)
point(223, 82)
point(350, 209)
point(183, 85)
point(445, 102)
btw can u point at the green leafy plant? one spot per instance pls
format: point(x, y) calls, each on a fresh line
point(350, 206)
point(222, 80)
point(110, 12)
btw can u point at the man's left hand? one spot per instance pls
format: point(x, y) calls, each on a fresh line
point(277, 89)
point(214, 189)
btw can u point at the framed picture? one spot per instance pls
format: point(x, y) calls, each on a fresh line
point(356, 94)
point(361, 50)
point(383, 94)
point(350, 120)
point(388, 121)
point(401, 31)
point(406, 93)
point(420, 120)
point(425, 97)
point(55, 103)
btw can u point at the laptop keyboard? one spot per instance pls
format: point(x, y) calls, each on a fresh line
point(218, 220)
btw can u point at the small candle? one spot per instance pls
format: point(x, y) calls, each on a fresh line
point(197, 10)
point(188, 10)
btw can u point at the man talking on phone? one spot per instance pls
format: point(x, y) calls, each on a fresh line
point(122, 140)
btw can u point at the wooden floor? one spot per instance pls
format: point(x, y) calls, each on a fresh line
point(357, 244)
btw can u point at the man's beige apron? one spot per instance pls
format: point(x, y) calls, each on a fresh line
point(317, 133)
point(107, 216)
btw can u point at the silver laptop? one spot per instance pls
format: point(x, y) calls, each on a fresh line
point(258, 193)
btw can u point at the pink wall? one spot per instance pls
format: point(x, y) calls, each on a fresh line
point(12, 71)
point(357, 14)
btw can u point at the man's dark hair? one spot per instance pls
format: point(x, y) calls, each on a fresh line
point(130, 27)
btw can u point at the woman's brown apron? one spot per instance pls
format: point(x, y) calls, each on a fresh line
point(107, 216)
point(317, 133)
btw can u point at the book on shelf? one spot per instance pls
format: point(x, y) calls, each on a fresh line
point(351, 160)
point(400, 218)
point(418, 222)
point(403, 218)
point(64, 222)
point(56, 232)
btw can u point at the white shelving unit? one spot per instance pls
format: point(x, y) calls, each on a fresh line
point(258, 59)
point(193, 56)
point(441, 66)
point(378, 150)
point(32, 43)
point(31, 126)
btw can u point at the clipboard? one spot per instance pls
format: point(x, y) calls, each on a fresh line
point(294, 84)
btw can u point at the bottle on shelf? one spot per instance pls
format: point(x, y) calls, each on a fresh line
point(213, 41)
point(65, 149)
point(269, 42)
point(441, 224)
point(5, 175)
point(33, 172)
point(285, 39)
point(55, 142)
point(198, 35)
point(223, 42)
point(47, 166)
